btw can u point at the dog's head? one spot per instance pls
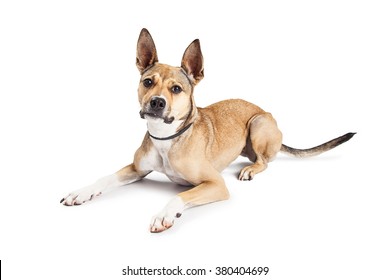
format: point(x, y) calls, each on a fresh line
point(166, 92)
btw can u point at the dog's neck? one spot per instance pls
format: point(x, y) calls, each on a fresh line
point(159, 129)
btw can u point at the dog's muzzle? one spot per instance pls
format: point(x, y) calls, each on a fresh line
point(155, 109)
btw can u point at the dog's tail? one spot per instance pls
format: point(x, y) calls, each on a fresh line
point(318, 149)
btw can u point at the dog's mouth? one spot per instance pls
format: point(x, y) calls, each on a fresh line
point(156, 116)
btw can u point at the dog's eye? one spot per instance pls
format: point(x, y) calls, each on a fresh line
point(176, 89)
point(148, 83)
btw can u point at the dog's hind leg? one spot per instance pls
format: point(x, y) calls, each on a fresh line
point(263, 143)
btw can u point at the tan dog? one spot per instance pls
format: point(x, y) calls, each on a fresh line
point(193, 145)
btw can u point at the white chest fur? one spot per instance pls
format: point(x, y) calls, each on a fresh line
point(157, 158)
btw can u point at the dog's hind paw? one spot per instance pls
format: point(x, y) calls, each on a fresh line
point(246, 174)
point(249, 172)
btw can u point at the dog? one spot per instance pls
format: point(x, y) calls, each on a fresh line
point(192, 145)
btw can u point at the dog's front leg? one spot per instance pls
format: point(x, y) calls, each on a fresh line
point(126, 175)
point(208, 191)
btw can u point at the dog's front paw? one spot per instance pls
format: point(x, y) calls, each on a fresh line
point(85, 194)
point(166, 218)
point(161, 222)
point(80, 196)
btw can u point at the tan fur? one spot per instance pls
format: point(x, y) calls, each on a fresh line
point(211, 138)
point(219, 134)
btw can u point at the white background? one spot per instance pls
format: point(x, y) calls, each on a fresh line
point(69, 115)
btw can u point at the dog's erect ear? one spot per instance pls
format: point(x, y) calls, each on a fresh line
point(192, 62)
point(146, 51)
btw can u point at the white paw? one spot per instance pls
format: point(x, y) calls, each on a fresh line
point(166, 218)
point(80, 196)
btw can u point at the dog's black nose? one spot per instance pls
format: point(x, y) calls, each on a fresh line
point(157, 103)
